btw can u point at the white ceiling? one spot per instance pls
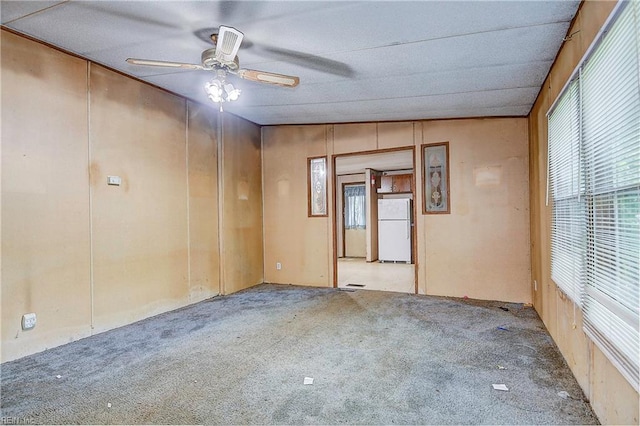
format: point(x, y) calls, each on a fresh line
point(357, 61)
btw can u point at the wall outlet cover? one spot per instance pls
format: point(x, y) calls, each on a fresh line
point(28, 321)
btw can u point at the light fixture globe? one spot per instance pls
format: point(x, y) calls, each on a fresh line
point(219, 91)
point(214, 90)
point(232, 93)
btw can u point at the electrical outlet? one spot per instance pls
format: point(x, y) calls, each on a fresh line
point(278, 266)
point(28, 321)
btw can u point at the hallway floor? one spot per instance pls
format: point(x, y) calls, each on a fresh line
point(398, 277)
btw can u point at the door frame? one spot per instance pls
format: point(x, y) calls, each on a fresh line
point(414, 236)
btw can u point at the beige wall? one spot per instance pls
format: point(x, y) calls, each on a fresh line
point(45, 197)
point(611, 396)
point(292, 238)
point(480, 250)
point(202, 166)
point(242, 258)
point(355, 243)
point(139, 229)
point(85, 256)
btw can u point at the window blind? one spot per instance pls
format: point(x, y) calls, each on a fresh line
point(568, 242)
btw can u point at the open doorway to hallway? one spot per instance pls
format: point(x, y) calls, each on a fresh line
point(374, 220)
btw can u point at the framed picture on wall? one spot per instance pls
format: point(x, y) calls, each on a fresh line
point(317, 186)
point(435, 178)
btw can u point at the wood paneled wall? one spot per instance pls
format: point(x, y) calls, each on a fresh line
point(300, 243)
point(139, 229)
point(46, 235)
point(242, 254)
point(480, 250)
point(86, 256)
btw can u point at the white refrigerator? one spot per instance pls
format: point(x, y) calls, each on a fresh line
point(394, 230)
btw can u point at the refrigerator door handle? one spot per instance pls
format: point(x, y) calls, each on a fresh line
point(408, 220)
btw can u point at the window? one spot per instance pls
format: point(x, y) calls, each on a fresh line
point(354, 207)
point(594, 183)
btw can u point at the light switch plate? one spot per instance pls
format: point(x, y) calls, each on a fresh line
point(114, 180)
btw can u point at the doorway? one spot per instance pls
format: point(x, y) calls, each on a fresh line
point(363, 182)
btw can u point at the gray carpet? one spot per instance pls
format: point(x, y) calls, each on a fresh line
point(375, 357)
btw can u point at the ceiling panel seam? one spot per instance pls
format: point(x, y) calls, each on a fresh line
point(28, 15)
point(333, 102)
point(429, 40)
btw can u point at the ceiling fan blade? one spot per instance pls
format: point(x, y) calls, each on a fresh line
point(268, 77)
point(166, 64)
point(302, 59)
point(229, 40)
point(132, 13)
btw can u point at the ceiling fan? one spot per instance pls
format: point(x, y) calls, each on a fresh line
point(223, 60)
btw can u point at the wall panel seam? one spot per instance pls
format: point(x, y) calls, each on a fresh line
point(262, 179)
point(220, 161)
point(90, 194)
point(186, 143)
point(332, 259)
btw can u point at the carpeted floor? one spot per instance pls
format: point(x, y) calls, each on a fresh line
point(375, 358)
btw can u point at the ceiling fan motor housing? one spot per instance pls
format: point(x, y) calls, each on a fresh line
point(210, 61)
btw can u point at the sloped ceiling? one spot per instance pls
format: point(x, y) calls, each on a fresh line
point(357, 61)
